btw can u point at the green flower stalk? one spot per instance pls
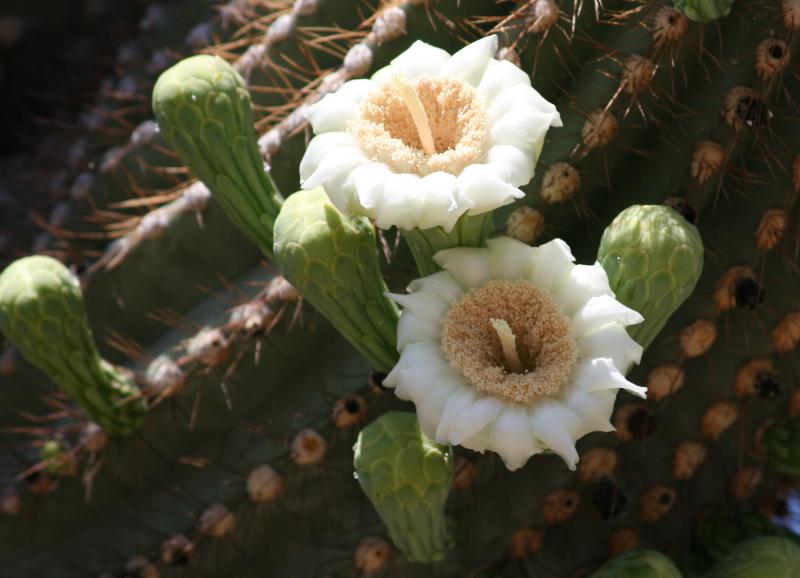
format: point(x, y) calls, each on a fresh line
point(469, 231)
point(42, 314)
point(640, 564)
point(704, 10)
point(332, 260)
point(653, 258)
point(204, 112)
point(761, 558)
point(782, 446)
point(407, 476)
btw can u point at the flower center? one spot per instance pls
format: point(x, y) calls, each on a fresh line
point(421, 127)
point(511, 340)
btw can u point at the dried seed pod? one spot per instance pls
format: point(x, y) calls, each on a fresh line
point(264, 484)
point(599, 129)
point(791, 14)
point(308, 447)
point(390, 24)
point(757, 377)
point(217, 521)
point(771, 229)
point(279, 289)
point(541, 15)
point(786, 334)
point(688, 457)
point(209, 346)
point(745, 107)
point(596, 464)
point(669, 26)
point(10, 501)
point(623, 540)
point(525, 224)
point(664, 380)
point(608, 499)
point(560, 506)
point(707, 160)
point(772, 56)
point(525, 542)
point(738, 287)
point(718, 418)
point(165, 377)
point(348, 411)
point(744, 483)
point(358, 60)
point(560, 183)
point(656, 503)
point(253, 316)
point(637, 73)
point(141, 567)
point(176, 550)
point(697, 338)
point(373, 555)
point(464, 477)
point(634, 420)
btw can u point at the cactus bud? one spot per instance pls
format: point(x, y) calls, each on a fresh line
point(332, 260)
point(704, 10)
point(763, 557)
point(406, 476)
point(42, 314)
point(204, 112)
point(653, 258)
point(639, 564)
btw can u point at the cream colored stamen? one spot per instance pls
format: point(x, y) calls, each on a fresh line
point(418, 114)
point(508, 341)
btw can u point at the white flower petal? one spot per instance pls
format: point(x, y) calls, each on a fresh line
point(474, 419)
point(521, 127)
point(512, 437)
point(585, 282)
point(598, 311)
point(510, 259)
point(552, 263)
point(322, 147)
point(592, 409)
point(335, 110)
point(455, 407)
point(470, 267)
point(328, 162)
point(599, 374)
point(500, 75)
point(422, 304)
point(611, 341)
point(420, 59)
point(411, 328)
point(521, 97)
point(469, 63)
point(444, 201)
point(429, 411)
point(484, 187)
point(368, 181)
point(440, 284)
point(512, 164)
point(401, 203)
point(421, 362)
point(557, 427)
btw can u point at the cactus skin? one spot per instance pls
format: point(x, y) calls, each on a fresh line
point(42, 313)
point(704, 10)
point(782, 446)
point(332, 260)
point(653, 258)
point(762, 558)
point(641, 564)
point(204, 112)
point(407, 476)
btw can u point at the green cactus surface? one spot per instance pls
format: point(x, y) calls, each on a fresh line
point(782, 446)
point(642, 564)
point(704, 10)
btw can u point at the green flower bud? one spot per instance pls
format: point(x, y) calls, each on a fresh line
point(332, 260)
point(640, 564)
point(704, 10)
point(42, 314)
point(781, 444)
point(653, 258)
point(407, 476)
point(761, 558)
point(204, 112)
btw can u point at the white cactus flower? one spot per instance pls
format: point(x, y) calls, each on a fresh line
point(429, 138)
point(513, 349)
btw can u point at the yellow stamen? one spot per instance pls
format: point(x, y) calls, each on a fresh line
point(508, 341)
point(418, 114)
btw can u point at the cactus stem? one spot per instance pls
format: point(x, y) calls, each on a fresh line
point(508, 341)
point(418, 114)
